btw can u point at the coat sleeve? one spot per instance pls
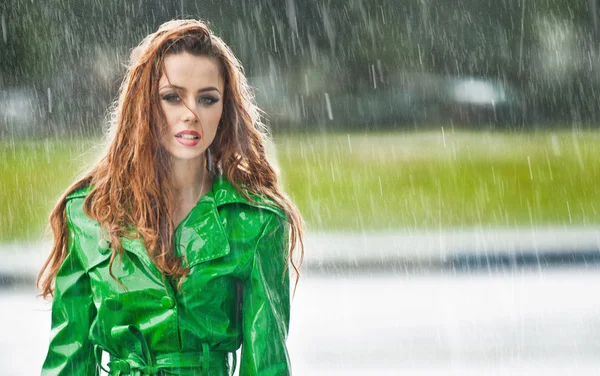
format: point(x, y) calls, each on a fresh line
point(266, 305)
point(70, 351)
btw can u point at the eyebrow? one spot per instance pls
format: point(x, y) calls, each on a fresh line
point(210, 88)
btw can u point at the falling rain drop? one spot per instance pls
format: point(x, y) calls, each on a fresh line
point(4, 33)
point(555, 145)
point(577, 151)
point(443, 137)
point(550, 169)
point(328, 104)
point(49, 100)
point(274, 38)
point(306, 83)
point(373, 76)
point(332, 170)
point(349, 143)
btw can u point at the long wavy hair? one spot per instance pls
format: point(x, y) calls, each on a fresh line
point(131, 181)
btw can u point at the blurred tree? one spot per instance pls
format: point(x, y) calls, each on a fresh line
point(547, 49)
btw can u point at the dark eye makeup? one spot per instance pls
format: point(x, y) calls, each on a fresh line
point(208, 99)
point(204, 99)
point(171, 97)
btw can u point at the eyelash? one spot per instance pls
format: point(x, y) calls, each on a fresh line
point(206, 99)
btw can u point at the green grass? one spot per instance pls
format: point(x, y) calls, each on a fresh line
point(433, 180)
point(376, 181)
point(33, 175)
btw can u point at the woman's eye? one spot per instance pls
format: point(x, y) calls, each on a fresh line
point(208, 100)
point(172, 98)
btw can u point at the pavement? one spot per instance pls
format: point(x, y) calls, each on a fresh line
point(465, 249)
point(451, 302)
point(514, 322)
point(403, 250)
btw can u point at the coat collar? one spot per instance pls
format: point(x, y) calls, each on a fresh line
point(201, 236)
point(223, 193)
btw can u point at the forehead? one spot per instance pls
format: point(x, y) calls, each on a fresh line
point(191, 71)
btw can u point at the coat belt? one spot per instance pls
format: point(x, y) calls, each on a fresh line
point(142, 362)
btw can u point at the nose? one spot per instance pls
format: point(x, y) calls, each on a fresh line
point(189, 115)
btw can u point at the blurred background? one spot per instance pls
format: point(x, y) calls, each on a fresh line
point(443, 153)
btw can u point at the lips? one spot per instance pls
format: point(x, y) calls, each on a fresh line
point(188, 137)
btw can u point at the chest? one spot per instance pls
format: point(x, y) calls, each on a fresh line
point(214, 245)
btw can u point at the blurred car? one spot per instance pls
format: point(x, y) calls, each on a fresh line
point(406, 100)
point(20, 110)
point(473, 101)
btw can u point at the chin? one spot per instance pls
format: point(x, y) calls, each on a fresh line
point(187, 154)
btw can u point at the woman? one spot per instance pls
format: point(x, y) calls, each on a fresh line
point(172, 252)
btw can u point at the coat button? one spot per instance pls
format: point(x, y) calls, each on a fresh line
point(167, 302)
point(113, 304)
point(104, 246)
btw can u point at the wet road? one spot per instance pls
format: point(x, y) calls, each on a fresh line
point(522, 322)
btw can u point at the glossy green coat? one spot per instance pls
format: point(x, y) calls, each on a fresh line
point(236, 294)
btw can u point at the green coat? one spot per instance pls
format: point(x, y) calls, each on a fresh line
point(236, 294)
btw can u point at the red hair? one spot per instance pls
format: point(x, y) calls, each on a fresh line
point(131, 181)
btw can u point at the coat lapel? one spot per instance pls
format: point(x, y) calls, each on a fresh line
point(201, 236)
point(224, 193)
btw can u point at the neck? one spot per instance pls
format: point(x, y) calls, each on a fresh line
point(191, 179)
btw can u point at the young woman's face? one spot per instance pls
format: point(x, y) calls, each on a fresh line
point(191, 97)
